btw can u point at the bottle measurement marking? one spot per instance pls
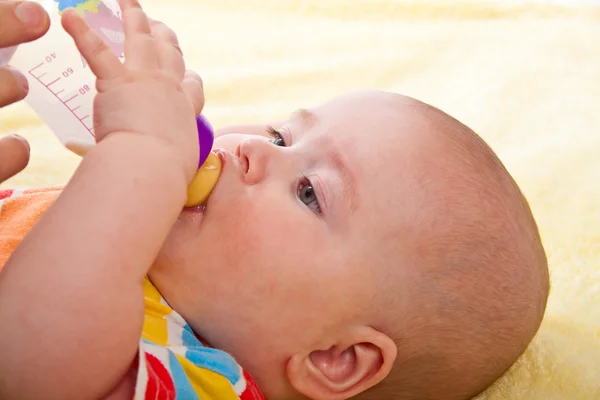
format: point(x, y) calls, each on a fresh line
point(36, 67)
point(70, 98)
point(38, 74)
point(53, 82)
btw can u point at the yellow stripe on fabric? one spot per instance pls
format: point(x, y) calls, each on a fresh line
point(207, 384)
point(155, 323)
point(150, 291)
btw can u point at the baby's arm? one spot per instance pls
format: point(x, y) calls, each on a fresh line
point(71, 302)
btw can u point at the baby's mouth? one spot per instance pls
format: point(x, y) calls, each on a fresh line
point(200, 209)
point(228, 160)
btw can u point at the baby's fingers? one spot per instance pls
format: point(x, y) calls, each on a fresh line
point(102, 61)
point(140, 46)
point(169, 53)
point(193, 87)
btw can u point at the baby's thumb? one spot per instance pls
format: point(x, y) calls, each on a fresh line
point(193, 87)
point(14, 156)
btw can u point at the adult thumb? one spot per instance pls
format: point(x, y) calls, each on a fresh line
point(22, 21)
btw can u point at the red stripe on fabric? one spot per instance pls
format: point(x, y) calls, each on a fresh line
point(5, 194)
point(252, 391)
point(160, 384)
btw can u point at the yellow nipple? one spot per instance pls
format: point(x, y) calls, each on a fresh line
point(204, 181)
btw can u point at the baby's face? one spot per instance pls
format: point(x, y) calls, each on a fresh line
point(289, 245)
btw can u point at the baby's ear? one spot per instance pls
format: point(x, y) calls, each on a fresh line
point(355, 363)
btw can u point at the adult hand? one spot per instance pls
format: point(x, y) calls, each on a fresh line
point(20, 22)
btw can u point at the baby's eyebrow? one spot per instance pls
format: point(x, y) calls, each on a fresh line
point(348, 181)
point(306, 119)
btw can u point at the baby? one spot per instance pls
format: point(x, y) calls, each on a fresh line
point(371, 247)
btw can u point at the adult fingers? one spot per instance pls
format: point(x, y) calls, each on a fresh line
point(21, 22)
point(14, 86)
point(14, 156)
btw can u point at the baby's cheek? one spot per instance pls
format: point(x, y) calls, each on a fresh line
point(256, 242)
point(264, 244)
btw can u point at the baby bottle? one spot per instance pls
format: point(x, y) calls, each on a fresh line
point(62, 87)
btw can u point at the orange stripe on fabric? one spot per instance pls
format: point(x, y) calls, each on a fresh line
point(18, 215)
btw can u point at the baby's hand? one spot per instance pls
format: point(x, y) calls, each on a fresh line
point(133, 96)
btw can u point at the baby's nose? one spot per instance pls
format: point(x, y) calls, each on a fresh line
point(255, 155)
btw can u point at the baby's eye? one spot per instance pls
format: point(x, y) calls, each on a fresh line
point(307, 195)
point(306, 192)
point(276, 135)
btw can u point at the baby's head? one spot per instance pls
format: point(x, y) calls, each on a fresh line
point(374, 246)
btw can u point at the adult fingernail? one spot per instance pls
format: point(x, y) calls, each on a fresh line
point(30, 14)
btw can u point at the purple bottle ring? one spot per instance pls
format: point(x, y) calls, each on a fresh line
point(206, 138)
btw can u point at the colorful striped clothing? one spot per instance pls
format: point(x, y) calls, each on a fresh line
point(173, 363)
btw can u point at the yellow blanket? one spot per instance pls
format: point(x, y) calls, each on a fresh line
point(526, 77)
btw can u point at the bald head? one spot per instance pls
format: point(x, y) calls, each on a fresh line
point(476, 266)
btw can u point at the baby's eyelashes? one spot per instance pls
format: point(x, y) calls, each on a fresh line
point(277, 137)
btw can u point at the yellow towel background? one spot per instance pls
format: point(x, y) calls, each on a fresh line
point(526, 77)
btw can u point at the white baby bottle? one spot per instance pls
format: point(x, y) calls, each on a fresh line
point(61, 86)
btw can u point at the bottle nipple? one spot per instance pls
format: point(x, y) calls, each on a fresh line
point(204, 181)
point(209, 166)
